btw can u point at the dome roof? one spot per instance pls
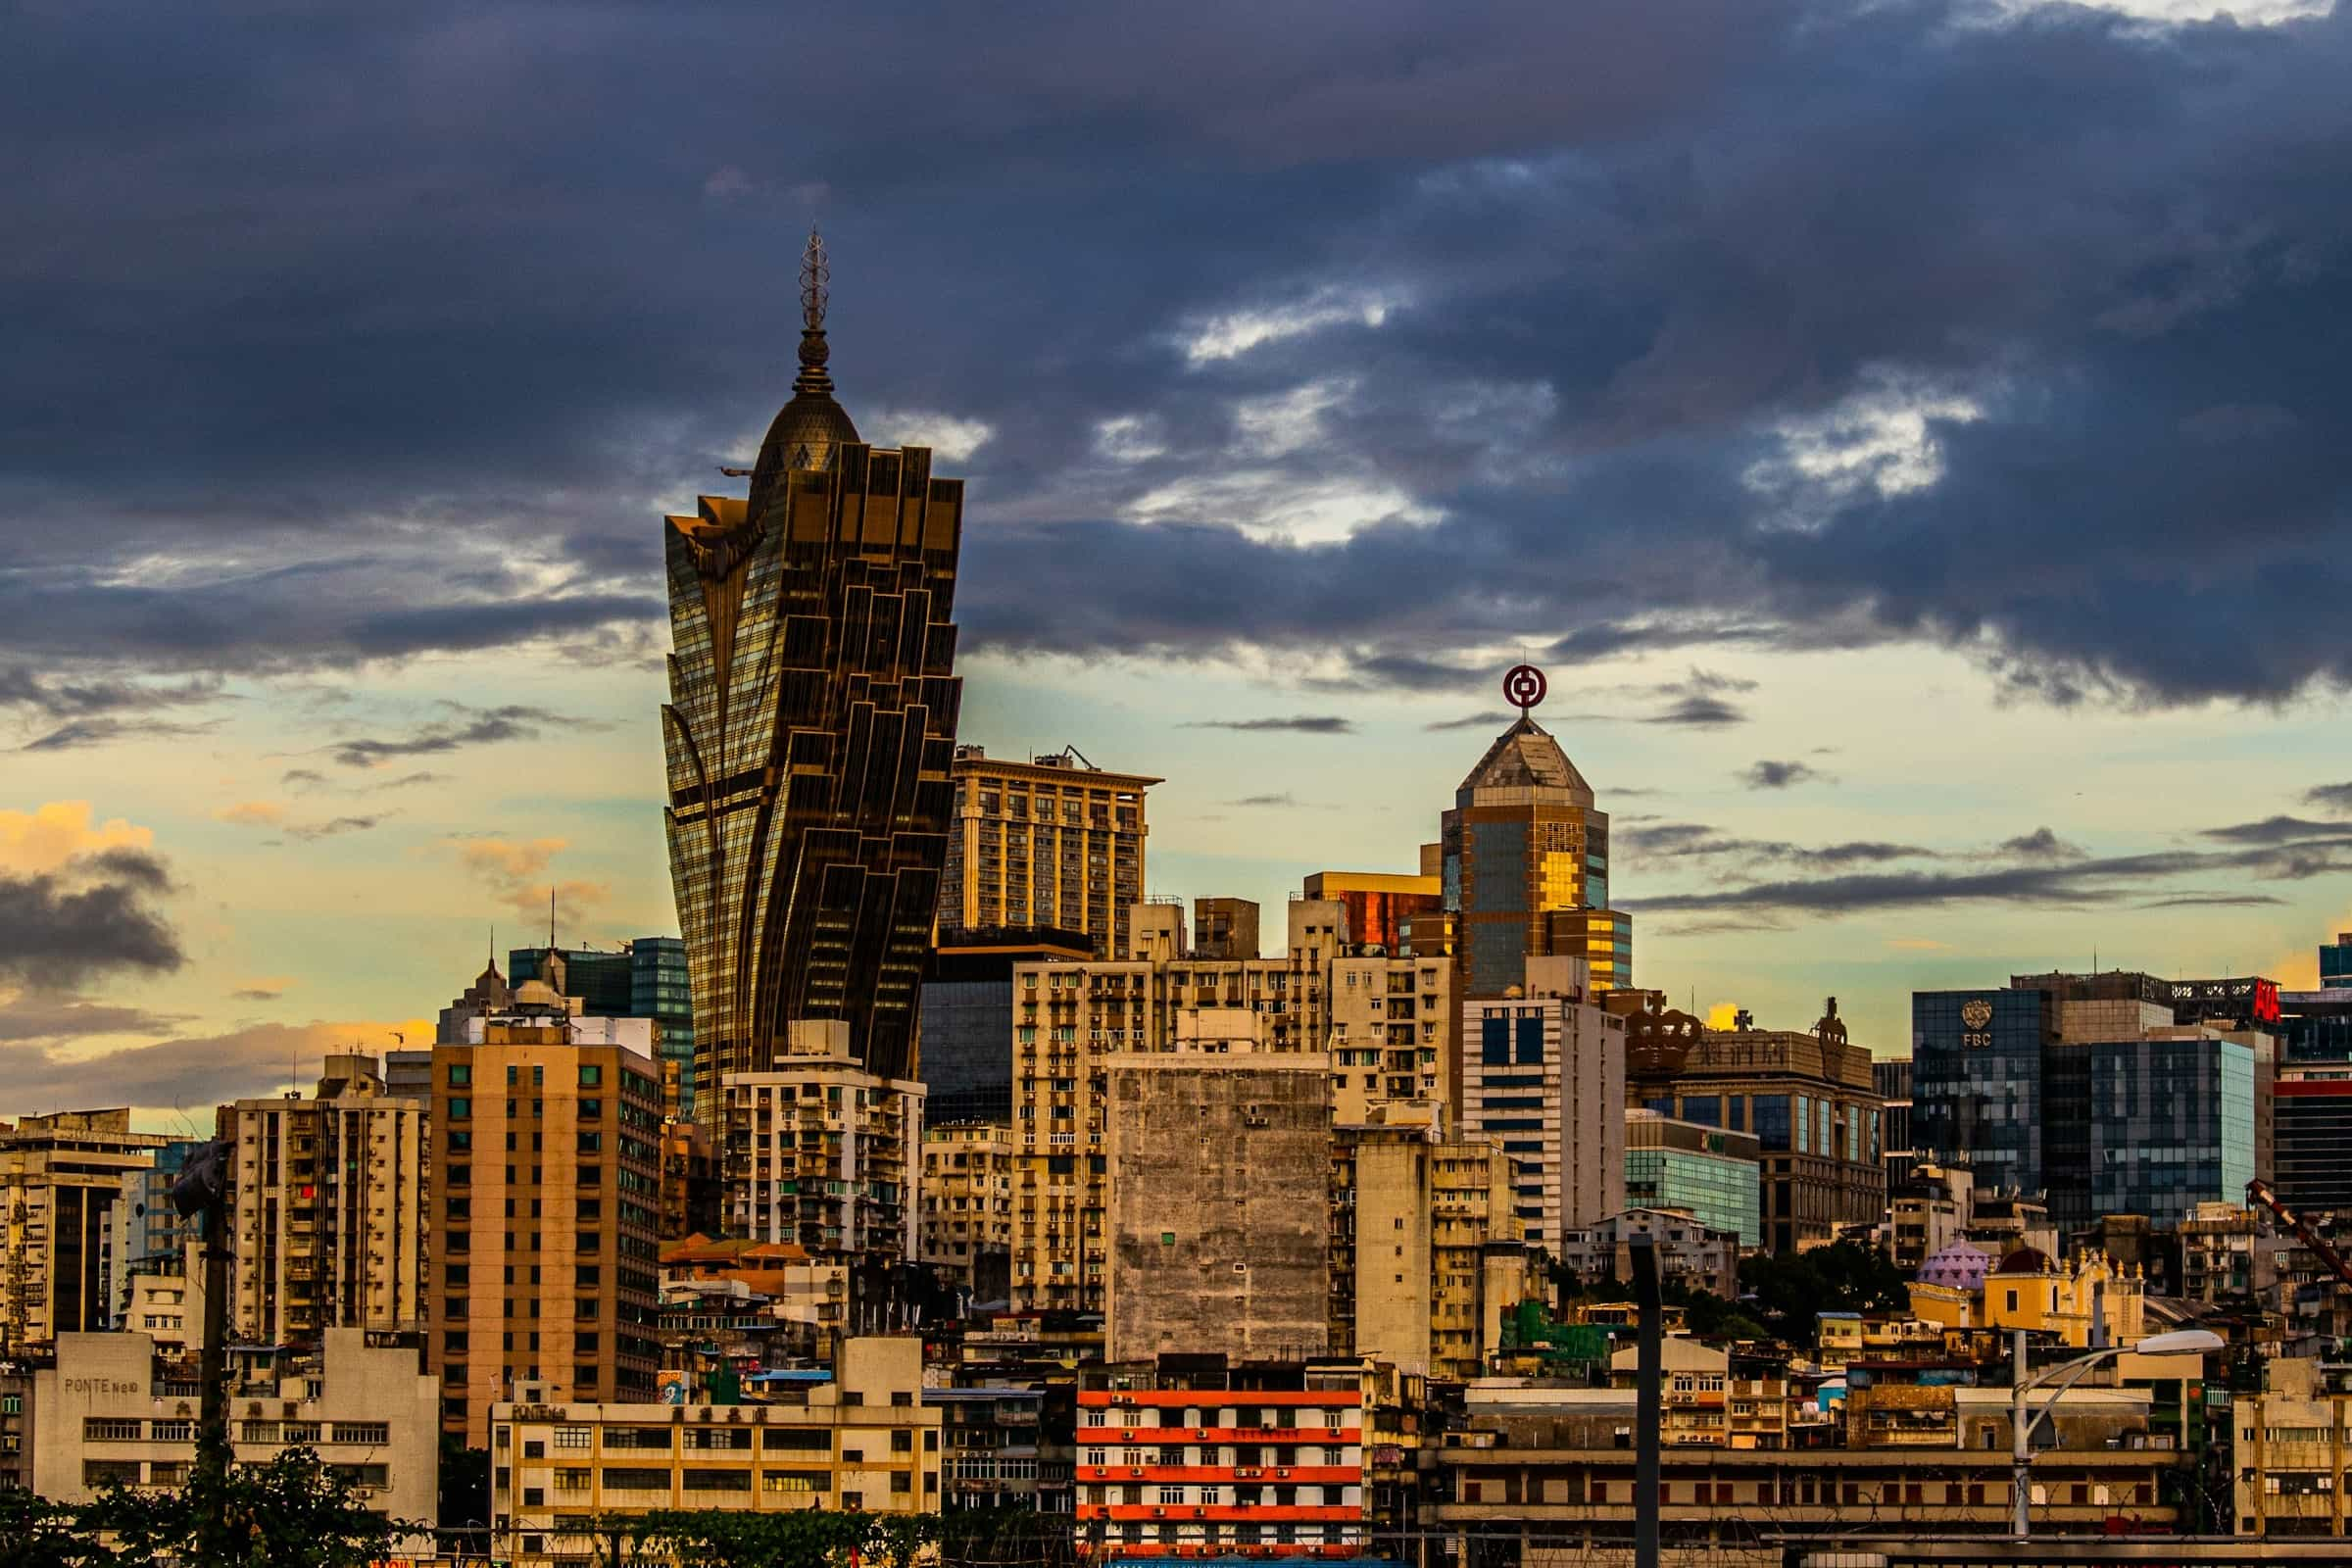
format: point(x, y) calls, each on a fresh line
point(809, 431)
point(1959, 1265)
point(2024, 1260)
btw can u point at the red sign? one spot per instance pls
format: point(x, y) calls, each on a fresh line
point(1524, 687)
point(2266, 1002)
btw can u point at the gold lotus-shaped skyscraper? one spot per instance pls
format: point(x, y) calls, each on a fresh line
point(809, 731)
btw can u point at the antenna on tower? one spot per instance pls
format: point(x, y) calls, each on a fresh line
point(551, 915)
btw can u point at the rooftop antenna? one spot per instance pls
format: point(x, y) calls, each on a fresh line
point(551, 915)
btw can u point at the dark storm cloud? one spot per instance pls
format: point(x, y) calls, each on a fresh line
point(1296, 724)
point(1670, 841)
point(2211, 900)
point(83, 733)
point(1771, 775)
point(1746, 323)
point(2039, 845)
point(1494, 721)
point(2276, 830)
point(86, 920)
point(2059, 884)
point(472, 727)
point(22, 686)
point(2336, 798)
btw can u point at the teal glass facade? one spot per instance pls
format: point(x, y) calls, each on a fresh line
point(2171, 1125)
point(1719, 1192)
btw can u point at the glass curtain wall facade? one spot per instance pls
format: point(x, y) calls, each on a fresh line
point(2172, 1126)
point(1977, 1065)
point(811, 733)
point(1526, 868)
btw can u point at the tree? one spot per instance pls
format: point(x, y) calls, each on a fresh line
point(291, 1512)
point(1791, 1289)
point(35, 1533)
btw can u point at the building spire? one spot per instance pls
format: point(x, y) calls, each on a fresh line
point(816, 274)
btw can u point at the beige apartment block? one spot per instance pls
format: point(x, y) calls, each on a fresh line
point(60, 1179)
point(166, 1303)
point(330, 1222)
point(1543, 1075)
point(864, 1442)
point(1070, 1019)
point(967, 1201)
point(2293, 1452)
point(1427, 1256)
point(1220, 1173)
point(1389, 1032)
point(105, 1416)
point(1053, 841)
point(545, 1191)
point(821, 1152)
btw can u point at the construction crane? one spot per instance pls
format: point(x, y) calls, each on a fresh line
point(2259, 1191)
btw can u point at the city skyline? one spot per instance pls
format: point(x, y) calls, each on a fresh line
point(1925, 515)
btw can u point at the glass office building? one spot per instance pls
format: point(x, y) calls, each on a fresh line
point(1679, 1165)
point(2171, 1125)
point(1979, 1061)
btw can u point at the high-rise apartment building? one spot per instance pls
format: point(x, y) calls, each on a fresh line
point(1526, 868)
point(1544, 1076)
point(1807, 1098)
point(821, 1152)
point(810, 731)
point(328, 1218)
point(1070, 1019)
point(1054, 840)
point(545, 1187)
point(1428, 1255)
point(1393, 1023)
point(150, 1235)
point(61, 1177)
point(967, 1205)
point(1219, 1176)
point(1042, 842)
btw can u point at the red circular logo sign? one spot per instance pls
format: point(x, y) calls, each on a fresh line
point(1524, 686)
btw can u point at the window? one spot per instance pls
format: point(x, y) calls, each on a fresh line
point(619, 1477)
point(461, 1075)
point(377, 1433)
point(718, 1481)
point(572, 1437)
point(591, 1076)
point(459, 1108)
point(96, 1429)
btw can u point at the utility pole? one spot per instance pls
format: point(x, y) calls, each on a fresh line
point(1649, 1376)
point(203, 1188)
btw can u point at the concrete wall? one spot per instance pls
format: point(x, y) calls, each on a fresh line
point(1218, 1189)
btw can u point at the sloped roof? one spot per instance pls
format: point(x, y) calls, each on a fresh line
point(1524, 757)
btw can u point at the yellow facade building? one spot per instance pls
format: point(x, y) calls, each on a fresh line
point(2030, 1291)
point(864, 1442)
point(61, 1177)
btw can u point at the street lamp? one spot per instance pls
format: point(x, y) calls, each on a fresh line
point(2021, 1429)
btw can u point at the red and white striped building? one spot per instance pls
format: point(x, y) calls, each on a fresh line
point(1194, 1459)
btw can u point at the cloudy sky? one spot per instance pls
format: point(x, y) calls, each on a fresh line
point(1911, 435)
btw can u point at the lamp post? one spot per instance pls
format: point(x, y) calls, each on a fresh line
point(2021, 1427)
